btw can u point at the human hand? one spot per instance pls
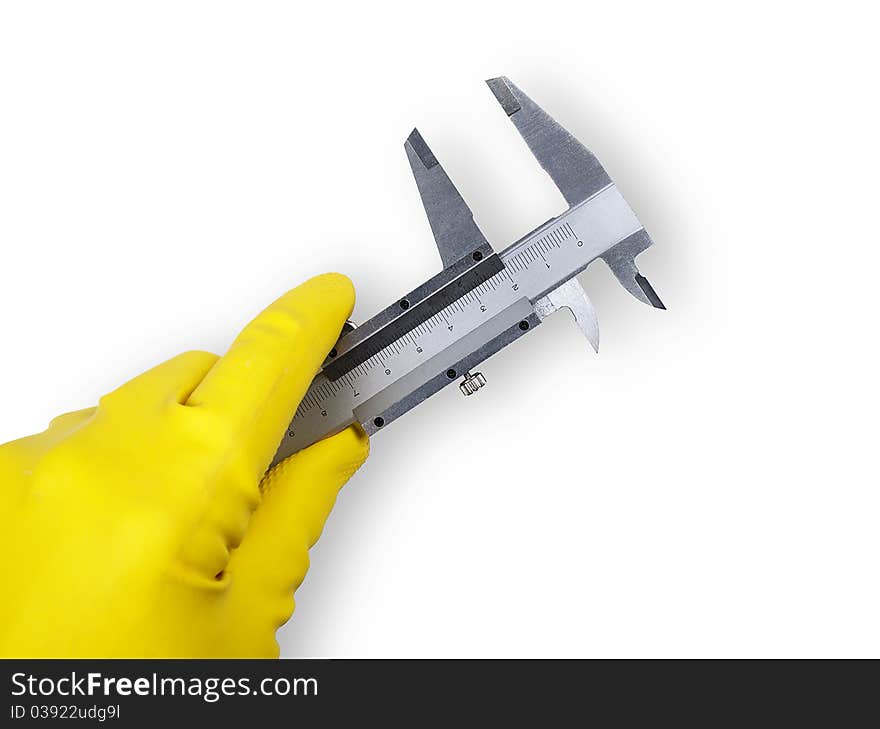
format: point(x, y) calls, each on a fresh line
point(145, 526)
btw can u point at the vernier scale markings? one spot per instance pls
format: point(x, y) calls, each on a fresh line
point(482, 300)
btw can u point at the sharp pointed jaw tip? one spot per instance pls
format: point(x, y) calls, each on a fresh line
point(499, 80)
point(413, 135)
point(649, 292)
point(504, 94)
point(420, 148)
point(593, 338)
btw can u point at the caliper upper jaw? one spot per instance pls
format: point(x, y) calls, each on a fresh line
point(575, 170)
point(452, 221)
point(578, 175)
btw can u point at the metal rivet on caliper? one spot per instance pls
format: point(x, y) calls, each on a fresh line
point(471, 383)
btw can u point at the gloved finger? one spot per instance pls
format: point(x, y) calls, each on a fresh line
point(21, 456)
point(61, 427)
point(172, 381)
point(257, 385)
point(298, 495)
point(68, 422)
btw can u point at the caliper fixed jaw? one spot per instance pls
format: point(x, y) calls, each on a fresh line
point(578, 175)
point(572, 167)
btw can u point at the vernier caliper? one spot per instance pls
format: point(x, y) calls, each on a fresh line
point(482, 300)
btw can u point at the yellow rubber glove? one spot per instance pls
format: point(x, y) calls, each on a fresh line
point(145, 527)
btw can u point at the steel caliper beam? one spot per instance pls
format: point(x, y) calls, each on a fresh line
point(482, 300)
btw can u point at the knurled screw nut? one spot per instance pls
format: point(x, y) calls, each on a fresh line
point(471, 383)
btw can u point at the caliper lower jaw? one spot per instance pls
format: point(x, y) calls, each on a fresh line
point(571, 296)
point(621, 259)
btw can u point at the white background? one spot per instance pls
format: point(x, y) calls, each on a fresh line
point(706, 486)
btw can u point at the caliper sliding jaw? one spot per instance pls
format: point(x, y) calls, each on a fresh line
point(482, 300)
